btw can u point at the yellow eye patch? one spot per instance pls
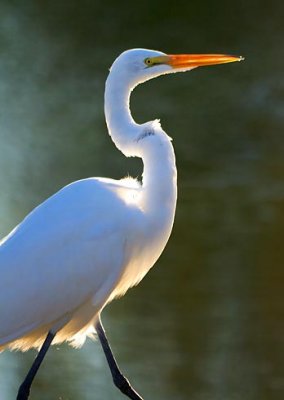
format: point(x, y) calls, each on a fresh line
point(151, 61)
point(148, 62)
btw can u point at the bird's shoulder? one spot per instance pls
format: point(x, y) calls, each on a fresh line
point(95, 189)
point(101, 204)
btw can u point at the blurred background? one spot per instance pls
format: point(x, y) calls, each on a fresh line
point(207, 322)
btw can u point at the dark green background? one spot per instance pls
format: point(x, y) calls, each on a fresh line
point(207, 322)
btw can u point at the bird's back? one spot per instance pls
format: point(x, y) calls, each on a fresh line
point(68, 251)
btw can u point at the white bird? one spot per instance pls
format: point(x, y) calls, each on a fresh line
point(95, 238)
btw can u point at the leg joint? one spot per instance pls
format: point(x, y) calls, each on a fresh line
point(121, 383)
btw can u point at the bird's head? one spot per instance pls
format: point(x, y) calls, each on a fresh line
point(136, 66)
point(139, 65)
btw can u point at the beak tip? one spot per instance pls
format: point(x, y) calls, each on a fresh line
point(241, 58)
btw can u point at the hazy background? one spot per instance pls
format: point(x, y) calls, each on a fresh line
point(207, 322)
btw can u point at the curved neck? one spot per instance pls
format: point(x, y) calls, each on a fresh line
point(121, 126)
point(147, 141)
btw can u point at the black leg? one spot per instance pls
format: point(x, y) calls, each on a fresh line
point(119, 380)
point(24, 389)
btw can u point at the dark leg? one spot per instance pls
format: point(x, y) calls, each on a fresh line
point(24, 389)
point(119, 380)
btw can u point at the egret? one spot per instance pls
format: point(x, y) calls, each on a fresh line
point(97, 237)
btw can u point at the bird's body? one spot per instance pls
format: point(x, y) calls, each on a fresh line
point(97, 227)
point(89, 242)
point(103, 231)
point(95, 238)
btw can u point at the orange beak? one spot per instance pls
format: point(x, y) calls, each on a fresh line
point(198, 60)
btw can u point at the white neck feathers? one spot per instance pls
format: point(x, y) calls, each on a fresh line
point(147, 141)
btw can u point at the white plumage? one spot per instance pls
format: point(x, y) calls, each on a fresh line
point(85, 245)
point(95, 238)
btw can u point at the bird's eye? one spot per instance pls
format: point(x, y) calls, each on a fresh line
point(149, 62)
